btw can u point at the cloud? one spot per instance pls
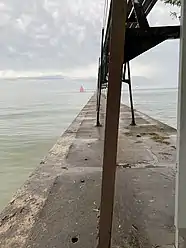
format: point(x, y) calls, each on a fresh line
point(82, 72)
point(48, 34)
point(64, 36)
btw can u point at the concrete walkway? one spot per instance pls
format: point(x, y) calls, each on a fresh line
point(58, 207)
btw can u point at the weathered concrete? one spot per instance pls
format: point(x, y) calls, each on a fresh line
point(59, 204)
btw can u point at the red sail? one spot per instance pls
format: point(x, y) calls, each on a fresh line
point(82, 89)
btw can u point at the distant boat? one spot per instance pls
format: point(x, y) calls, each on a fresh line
point(82, 89)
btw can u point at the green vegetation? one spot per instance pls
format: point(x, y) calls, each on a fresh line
point(176, 3)
point(173, 2)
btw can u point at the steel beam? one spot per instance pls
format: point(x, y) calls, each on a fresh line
point(117, 40)
point(142, 35)
point(147, 7)
point(170, 32)
point(180, 204)
point(109, 21)
point(140, 14)
point(139, 41)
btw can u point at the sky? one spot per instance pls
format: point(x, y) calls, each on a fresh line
point(63, 37)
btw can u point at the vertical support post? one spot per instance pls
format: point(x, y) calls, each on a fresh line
point(98, 96)
point(128, 81)
point(124, 73)
point(117, 40)
point(133, 123)
point(100, 79)
point(180, 204)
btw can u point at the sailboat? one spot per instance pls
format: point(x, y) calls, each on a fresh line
point(82, 89)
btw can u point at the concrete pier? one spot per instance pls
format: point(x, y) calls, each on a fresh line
point(58, 206)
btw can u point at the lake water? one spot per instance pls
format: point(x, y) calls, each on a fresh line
point(33, 114)
point(160, 104)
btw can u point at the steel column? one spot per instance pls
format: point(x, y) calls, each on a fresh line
point(117, 40)
point(140, 14)
point(100, 81)
point(180, 204)
point(128, 81)
point(133, 123)
point(98, 97)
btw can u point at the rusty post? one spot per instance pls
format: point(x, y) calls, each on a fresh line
point(117, 40)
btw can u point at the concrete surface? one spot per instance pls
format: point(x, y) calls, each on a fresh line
point(58, 207)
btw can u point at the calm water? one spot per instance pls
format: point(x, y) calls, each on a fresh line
point(158, 103)
point(34, 114)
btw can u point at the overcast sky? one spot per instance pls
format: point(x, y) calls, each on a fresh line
point(64, 36)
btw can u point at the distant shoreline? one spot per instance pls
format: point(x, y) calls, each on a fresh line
point(35, 78)
point(150, 88)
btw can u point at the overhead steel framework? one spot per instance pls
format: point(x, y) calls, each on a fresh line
point(140, 37)
point(127, 35)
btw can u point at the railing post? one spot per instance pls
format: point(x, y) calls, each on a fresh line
point(117, 41)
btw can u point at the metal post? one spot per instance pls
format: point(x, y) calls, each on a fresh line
point(98, 97)
point(180, 204)
point(124, 72)
point(128, 81)
point(133, 123)
point(117, 40)
point(100, 80)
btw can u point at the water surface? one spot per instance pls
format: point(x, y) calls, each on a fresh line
point(33, 114)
